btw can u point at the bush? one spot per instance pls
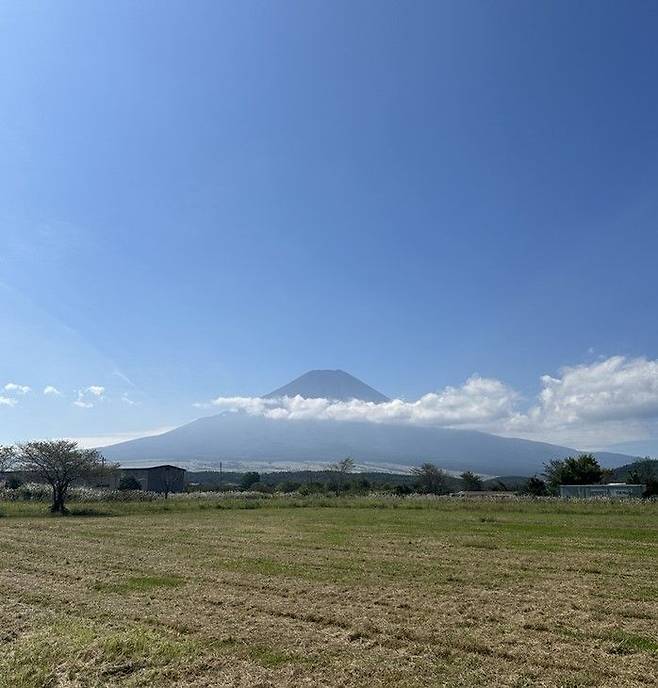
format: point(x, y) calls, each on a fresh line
point(311, 488)
point(535, 487)
point(249, 479)
point(288, 486)
point(129, 482)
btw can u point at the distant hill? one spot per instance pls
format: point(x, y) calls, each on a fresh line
point(641, 448)
point(620, 473)
point(336, 385)
point(243, 441)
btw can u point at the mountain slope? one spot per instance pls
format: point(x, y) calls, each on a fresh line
point(328, 384)
point(239, 439)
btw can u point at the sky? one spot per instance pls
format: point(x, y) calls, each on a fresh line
point(201, 201)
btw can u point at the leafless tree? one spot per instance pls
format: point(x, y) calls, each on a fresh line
point(7, 458)
point(344, 467)
point(59, 463)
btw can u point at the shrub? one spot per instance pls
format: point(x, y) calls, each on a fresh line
point(535, 487)
point(249, 479)
point(129, 482)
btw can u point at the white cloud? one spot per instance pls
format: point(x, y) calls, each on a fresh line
point(585, 406)
point(608, 401)
point(13, 388)
point(127, 400)
point(51, 391)
point(88, 396)
point(479, 400)
point(7, 401)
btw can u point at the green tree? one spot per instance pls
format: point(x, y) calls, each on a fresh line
point(574, 470)
point(535, 487)
point(645, 472)
point(471, 480)
point(249, 479)
point(129, 482)
point(59, 463)
point(430, 479)
point(342, 469)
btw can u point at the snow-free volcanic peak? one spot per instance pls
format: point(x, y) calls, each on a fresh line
point(328, 384)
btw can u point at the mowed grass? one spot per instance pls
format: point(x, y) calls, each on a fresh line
point(340, 592)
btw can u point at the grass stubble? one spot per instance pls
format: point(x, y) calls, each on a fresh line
point(399, 593)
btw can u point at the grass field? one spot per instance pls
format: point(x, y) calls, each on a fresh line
point(352, 592)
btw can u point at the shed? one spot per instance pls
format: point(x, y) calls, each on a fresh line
point(164, 478)
point(610, 490)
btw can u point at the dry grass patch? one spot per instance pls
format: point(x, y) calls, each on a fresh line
point(441, 594)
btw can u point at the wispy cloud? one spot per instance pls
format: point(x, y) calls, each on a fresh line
point(89, 396)
point(7, 401)
point(51, 391)
point(115, 438)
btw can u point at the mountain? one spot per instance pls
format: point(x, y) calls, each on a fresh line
point(242, 441)
point(636, 448)
point(336, 385)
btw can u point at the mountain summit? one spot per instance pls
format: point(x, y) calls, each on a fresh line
point(336, 385)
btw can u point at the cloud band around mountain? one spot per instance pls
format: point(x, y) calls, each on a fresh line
point(587, 405)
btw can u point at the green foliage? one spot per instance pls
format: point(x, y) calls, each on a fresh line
point(13, 482)
point(471, 480)
point(311, 488)
point(249, 479)
point(430, 479)
point(129, 482)
point(535, 487)
point(288, 486)
point(579, 470)
point(59, 463)
point(645, 472)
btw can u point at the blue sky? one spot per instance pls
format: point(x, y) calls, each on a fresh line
point(206, 199)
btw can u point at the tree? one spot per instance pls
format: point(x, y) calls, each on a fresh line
point(249, 479)
point(645, 472)
point(430, 479)
point(59, 463)
point(7, 458)
point(344, 467)
point(170, 480)
point(129, 482)
point(578, 470)
point(472, 481)
point(535, 487)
